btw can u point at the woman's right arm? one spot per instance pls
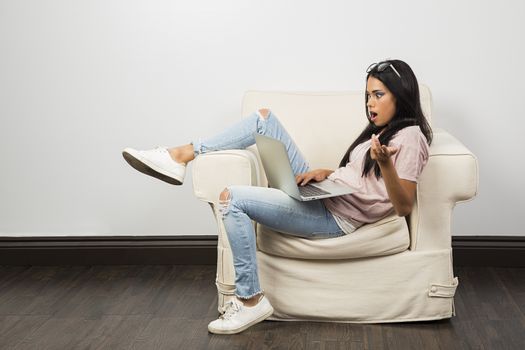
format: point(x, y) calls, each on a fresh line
point(315, 175)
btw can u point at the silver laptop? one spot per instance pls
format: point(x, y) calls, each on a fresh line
point(280, 174)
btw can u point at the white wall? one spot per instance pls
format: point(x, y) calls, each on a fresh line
point(81, 80)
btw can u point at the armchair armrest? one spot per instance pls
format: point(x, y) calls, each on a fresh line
point(450, 177)
point(214, 171)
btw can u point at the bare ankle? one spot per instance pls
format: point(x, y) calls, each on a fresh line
point(182, 154)
point(252, 301)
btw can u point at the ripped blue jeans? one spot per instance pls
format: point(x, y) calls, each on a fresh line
point(268, 206)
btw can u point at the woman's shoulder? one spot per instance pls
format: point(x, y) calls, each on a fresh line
point(413, 133)
point(412, 137)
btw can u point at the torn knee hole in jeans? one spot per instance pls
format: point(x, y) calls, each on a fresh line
point(263, 113)
point(224, 202)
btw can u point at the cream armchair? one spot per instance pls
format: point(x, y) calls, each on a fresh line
point(397, 269)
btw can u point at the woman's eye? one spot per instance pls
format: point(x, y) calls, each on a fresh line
point(379, 95)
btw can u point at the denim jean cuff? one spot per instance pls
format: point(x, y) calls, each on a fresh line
point(197, 147)
point(250, 296)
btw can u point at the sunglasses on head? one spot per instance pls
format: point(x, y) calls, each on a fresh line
point(381, 66)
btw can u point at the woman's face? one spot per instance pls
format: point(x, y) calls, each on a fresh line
point(381, 102)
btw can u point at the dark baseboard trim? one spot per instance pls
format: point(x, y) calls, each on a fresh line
point(115, 250)
point(497, 251)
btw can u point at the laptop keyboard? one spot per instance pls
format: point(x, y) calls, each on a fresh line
point(308, 191)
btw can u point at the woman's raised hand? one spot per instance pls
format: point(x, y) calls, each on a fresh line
point(379, 152)
point(316, 175)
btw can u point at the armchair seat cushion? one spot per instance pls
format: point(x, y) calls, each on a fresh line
point(387, 236)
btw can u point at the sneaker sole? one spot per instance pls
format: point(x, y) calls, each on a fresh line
point(148, 168)
point(246, 326)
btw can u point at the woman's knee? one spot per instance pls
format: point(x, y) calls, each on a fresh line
point(224, 196)
point(237, 192)
point(264, 113)
point(236, 197)
point(230, 197)
point(224, 202)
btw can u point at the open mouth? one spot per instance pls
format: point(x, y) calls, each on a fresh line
point(373, 116)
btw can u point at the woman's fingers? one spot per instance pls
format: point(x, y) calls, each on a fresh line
point(379, 151)
point(392, 150)
point(301, 179)
point(373, 147)
point(389, 151)
point(374, 141)
point(317, 175)
point(376, 145)
point(306, 180)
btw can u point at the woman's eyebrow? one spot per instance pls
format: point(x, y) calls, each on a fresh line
point(374, 91)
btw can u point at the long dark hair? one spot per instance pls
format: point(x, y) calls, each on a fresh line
point(408, 111)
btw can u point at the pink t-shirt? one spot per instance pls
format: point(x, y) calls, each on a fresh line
point(370, 202)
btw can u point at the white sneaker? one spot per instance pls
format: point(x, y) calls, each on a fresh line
point(157, 163)
point(238, 317)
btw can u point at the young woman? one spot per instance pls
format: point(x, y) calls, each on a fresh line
point(383, 165)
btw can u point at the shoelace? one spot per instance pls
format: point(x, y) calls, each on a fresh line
point(160, 149)
point(232, 308)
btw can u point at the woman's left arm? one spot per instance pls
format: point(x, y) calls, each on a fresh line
point(402, 193)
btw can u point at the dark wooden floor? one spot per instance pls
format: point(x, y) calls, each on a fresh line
point(169, 307)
